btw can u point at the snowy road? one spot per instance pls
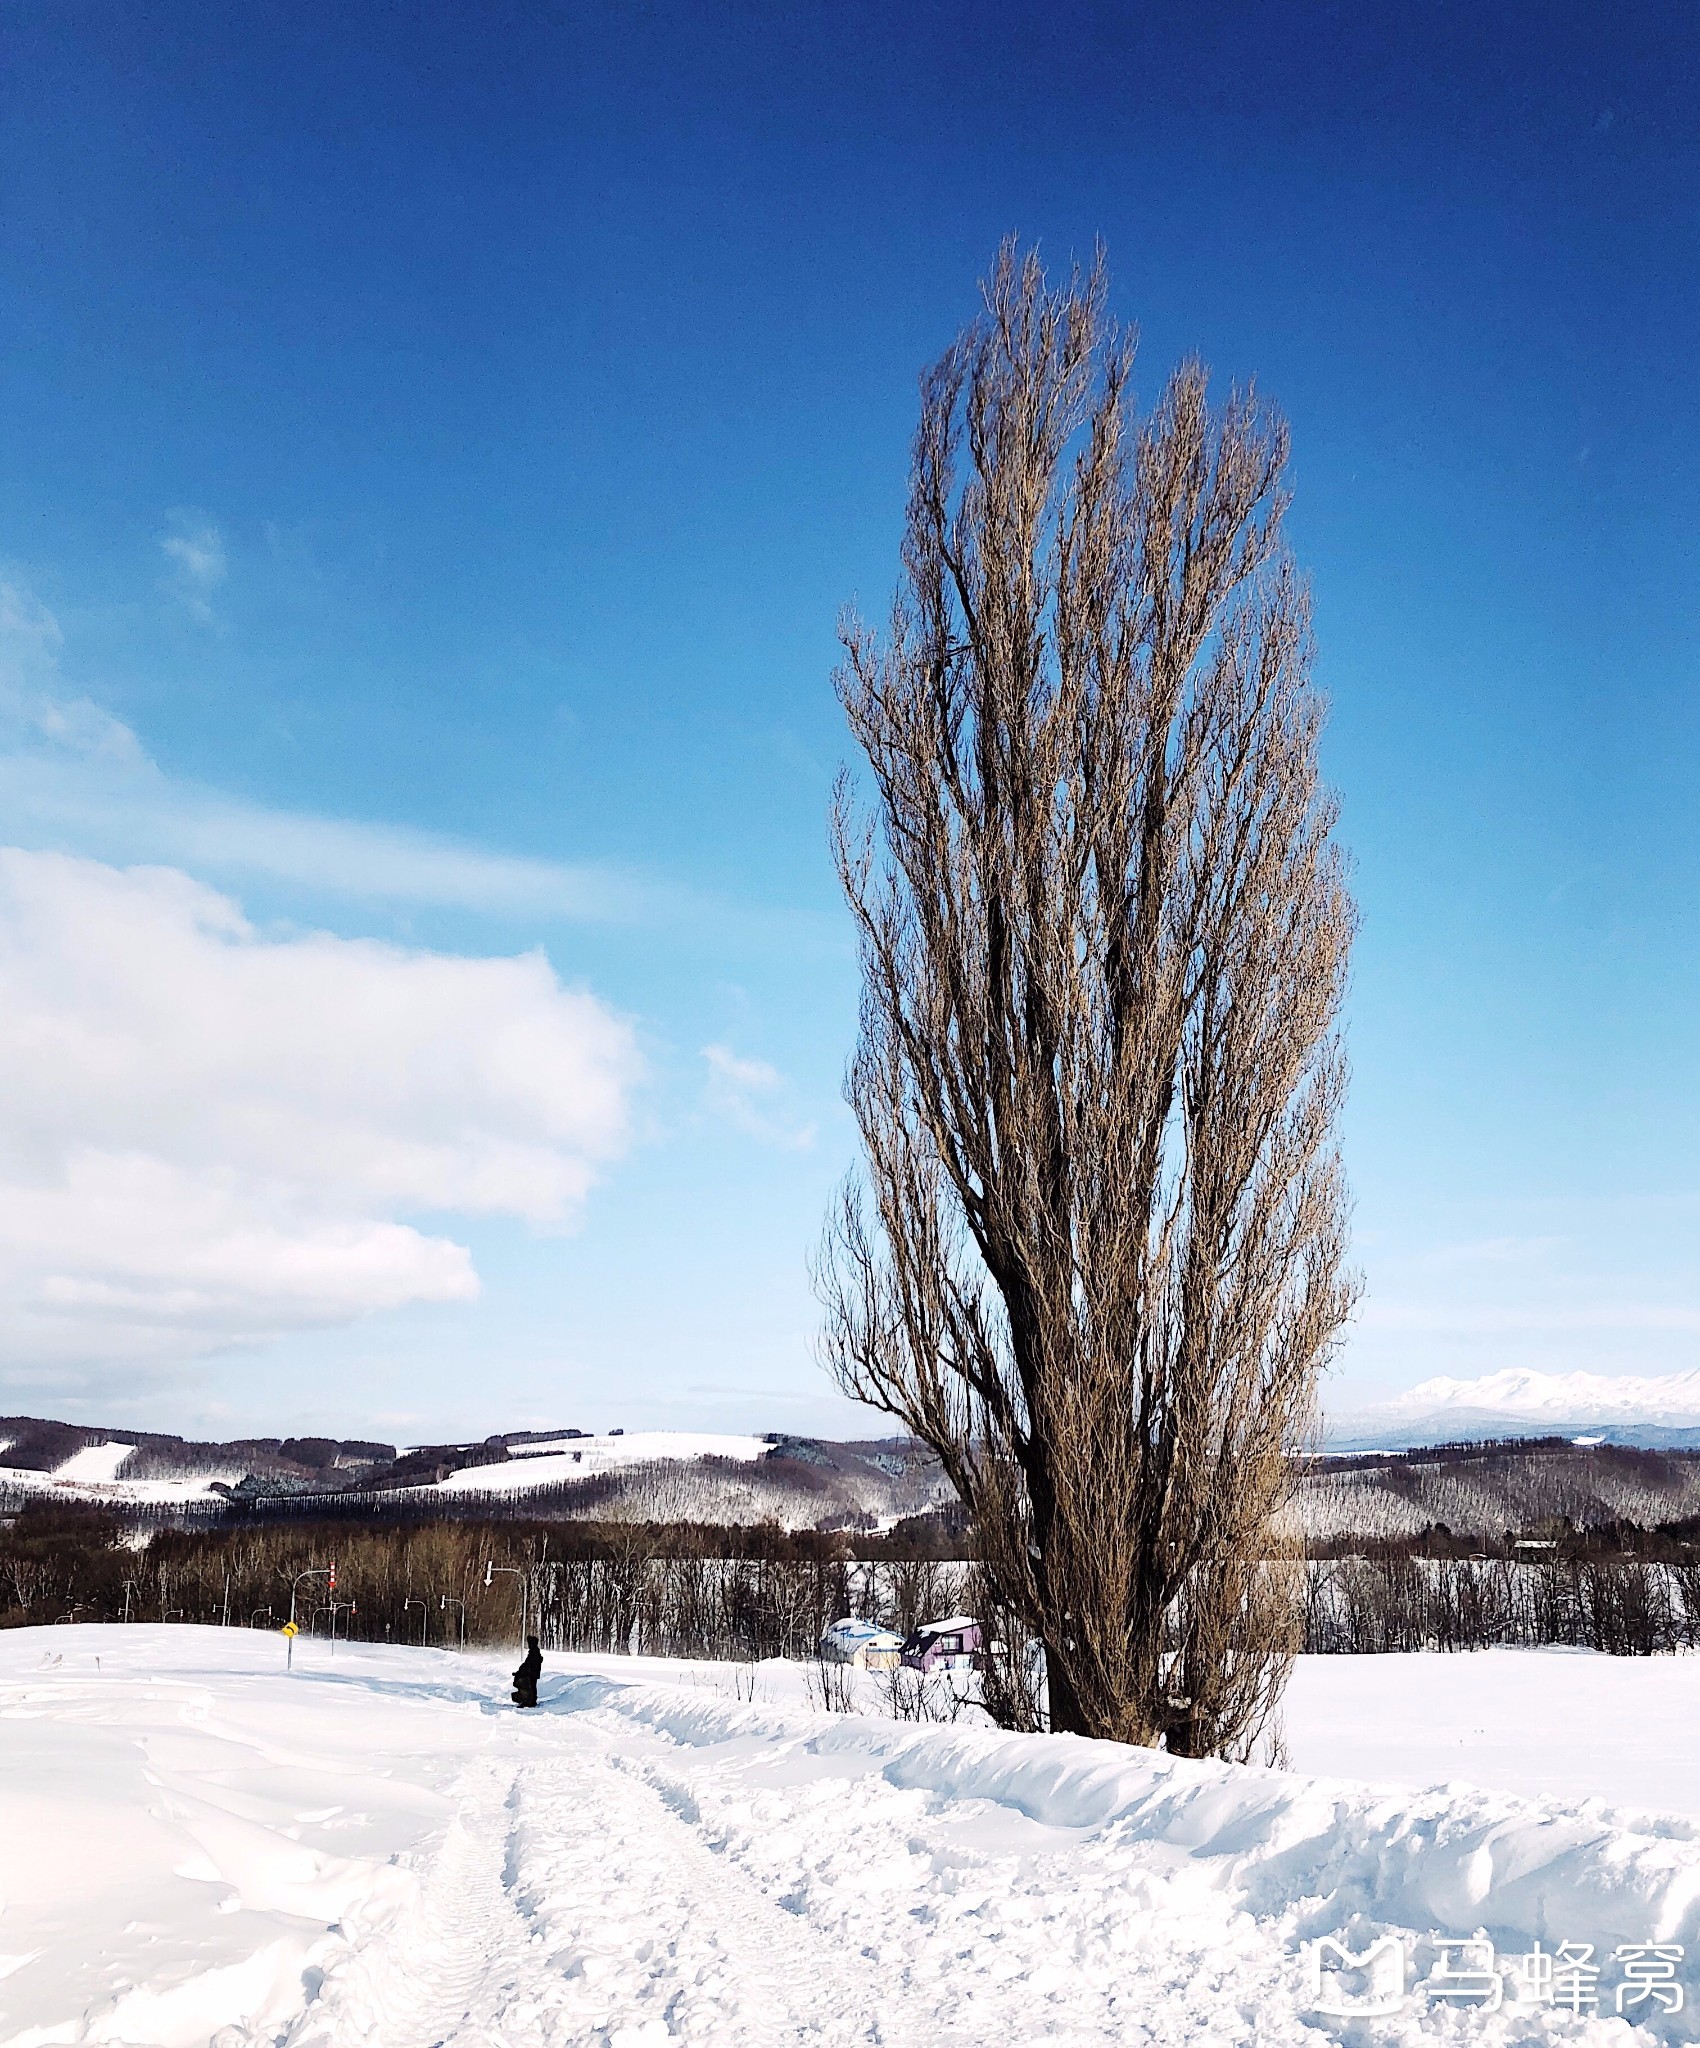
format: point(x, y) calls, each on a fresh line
point(196, 1848)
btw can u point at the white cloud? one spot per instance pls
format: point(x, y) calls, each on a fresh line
point(195, 549)
point(209, 1136)
point(747, 1093)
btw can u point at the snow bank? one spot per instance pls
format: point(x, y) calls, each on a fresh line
point(1324, 1853)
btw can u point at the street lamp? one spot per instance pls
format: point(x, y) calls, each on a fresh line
point(447, 1600)
point(317, 1572)
point(490, 1571)
point(424, 1617)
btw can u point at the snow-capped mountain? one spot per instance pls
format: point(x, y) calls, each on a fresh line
point(1659, 1410)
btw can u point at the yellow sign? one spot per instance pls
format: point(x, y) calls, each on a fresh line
point(290, 1629)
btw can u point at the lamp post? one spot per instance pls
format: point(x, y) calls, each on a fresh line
point(447, 1600)
point(317, 1572)
point(490, 1571)
point(424, 1617)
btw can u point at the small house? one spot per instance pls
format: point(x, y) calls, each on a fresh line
point(954, 1644)
point(861, 1643)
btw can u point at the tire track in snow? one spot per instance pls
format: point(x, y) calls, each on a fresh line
point(572, 1904)
point(652, 1937)
point(442, 1971)
point(1068, 1946)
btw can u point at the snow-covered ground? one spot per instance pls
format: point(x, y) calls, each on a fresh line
point(198, 1847)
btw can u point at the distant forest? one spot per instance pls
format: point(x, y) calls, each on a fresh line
point(742, 1592)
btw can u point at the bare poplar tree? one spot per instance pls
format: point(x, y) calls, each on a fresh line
point(1096, 1259)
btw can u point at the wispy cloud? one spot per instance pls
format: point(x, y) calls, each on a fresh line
point(195, 549)
point(750, 1095)
point(74, 776)
point(34, 705)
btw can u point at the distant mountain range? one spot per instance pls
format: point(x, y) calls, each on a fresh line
point(796, 1481)
point(1660, 1412)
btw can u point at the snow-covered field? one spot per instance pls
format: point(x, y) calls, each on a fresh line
point(197, 1847)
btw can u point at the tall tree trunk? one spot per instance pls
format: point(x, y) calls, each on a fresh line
point(1096, 1255)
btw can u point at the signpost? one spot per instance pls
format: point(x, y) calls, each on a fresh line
point(290, 1632)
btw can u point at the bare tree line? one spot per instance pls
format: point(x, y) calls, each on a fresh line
point(681, 1592)
point(635, 1591)
point(1624, 1607)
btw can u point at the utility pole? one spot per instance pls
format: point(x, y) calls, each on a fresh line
point(129, 1588)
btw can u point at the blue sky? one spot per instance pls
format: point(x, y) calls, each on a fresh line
point(437, 443)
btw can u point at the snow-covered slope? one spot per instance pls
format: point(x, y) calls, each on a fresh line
point(197, 1847)
point(95, 1464)
point(559, 1463)
point(91, 1474)
point(1661, 1409)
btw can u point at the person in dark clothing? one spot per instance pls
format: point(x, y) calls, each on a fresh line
point(526, 1677)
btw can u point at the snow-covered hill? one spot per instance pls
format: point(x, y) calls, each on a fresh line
point(559, 1461)
point(1661, 1410)
point(148, 1469)
point(198, 1847)
point(657, 1475)
point(91, 1474)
